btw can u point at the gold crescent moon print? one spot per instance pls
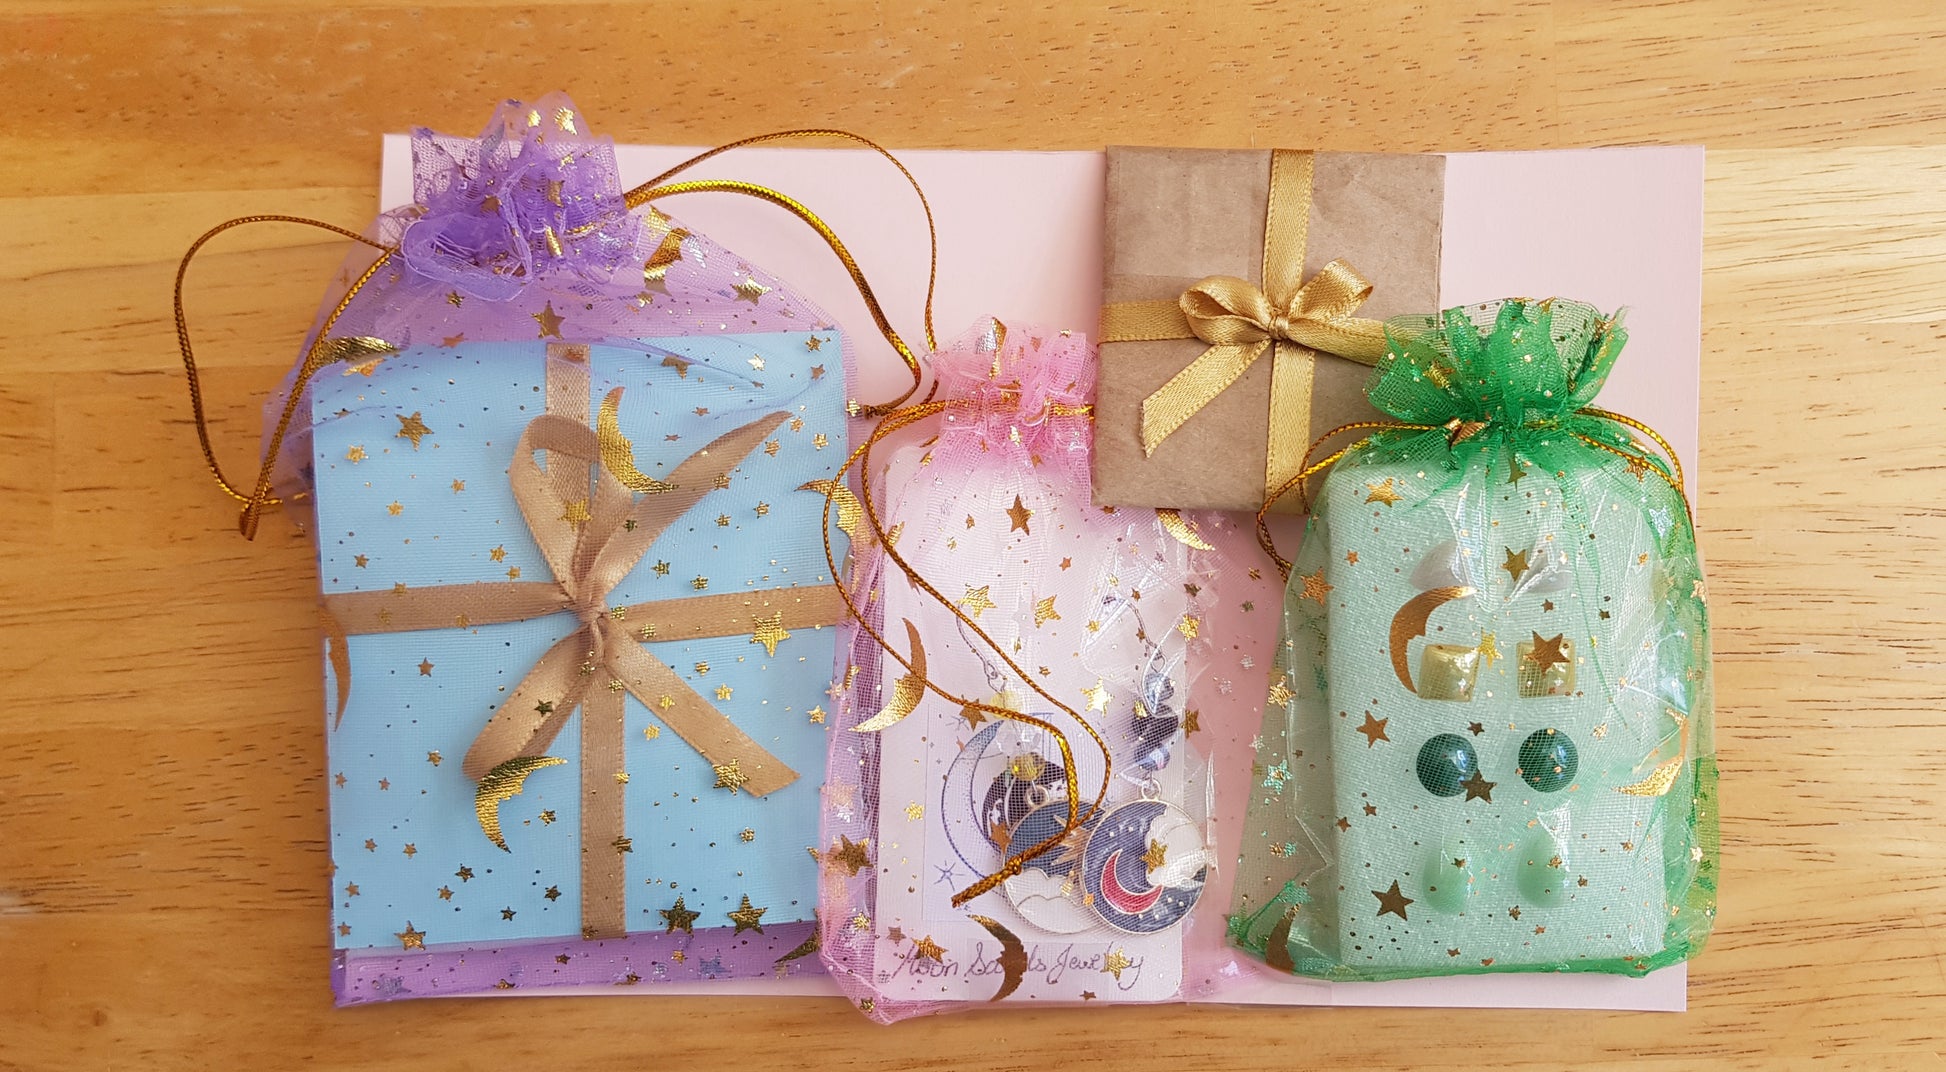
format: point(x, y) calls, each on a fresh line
point(1410, 622)
point(618, 454)
point(850, 510)
point(1663, 777)
point(1174, 525)
point(809, 945)
point(1013, 956)
point(1277, 947)
point(905, 694)
point(501, 784)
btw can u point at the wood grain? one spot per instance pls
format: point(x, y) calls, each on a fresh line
point(162, 856)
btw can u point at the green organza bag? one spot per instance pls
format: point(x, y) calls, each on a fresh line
point(1487, 746)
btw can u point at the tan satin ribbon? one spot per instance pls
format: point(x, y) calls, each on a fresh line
point(1241, 321)
point(591, 667)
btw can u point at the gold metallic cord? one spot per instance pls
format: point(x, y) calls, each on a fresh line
point(655, 188)
point(861, 457)
point(189, 357)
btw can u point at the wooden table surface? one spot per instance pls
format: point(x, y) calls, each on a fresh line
point(162, 829)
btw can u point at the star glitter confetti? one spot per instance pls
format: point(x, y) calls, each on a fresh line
point(413, 428)
point(730, 776)
point(1516, 564)
point(1019, 515)
point(1373, 729)
point(1547, 653)
point(977, 600)
point(1382, 492)
point(849, 854)
point(550, 322)
point(747, 917)
point(1392, 902)
point(411, 938)
point(678, 918)
point(1044, 612)
point(1478, 788)
point(1116, 962)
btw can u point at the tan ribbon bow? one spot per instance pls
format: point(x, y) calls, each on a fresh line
point(591, 542)
point(1241, 322)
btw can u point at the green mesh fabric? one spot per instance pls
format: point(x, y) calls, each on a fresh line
point(1487, 742)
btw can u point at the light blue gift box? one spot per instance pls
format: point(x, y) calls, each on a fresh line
point(412, 459)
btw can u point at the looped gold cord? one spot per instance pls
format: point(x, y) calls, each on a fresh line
point(1306, 471)
point(861, 457)
point(314, 358)
point(320, 353)
point(1630, 422)
point(1457, 431)
point(182, 332)
point(653, 188)
point(641, 196)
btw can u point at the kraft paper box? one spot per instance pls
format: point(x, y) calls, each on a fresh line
point(420, 524)
point(1176, 216)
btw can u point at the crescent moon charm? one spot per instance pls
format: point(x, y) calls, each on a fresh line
point(618, 454)
point(1410, 622)
point(1277, 947)
point(1174, 525)
point(1663, 777)
point(1121, 897)
point(1013, 956)
point(906, 694)
point(501, 784)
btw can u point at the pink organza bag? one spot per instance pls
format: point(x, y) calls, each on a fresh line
point(1014, 809)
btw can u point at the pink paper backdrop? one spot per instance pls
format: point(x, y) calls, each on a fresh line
point(1020, 238)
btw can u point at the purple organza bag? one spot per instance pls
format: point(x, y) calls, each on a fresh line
point(567, 460)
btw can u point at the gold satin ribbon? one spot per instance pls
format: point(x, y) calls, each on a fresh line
point(594, 665)
point(1241, 321)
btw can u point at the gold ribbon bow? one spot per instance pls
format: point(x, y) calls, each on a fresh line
point(591, 542)
point(1241, 321)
